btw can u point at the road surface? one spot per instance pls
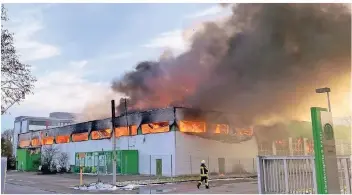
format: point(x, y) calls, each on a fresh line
point(31, 183)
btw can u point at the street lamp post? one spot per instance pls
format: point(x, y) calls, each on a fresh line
point(327, 91)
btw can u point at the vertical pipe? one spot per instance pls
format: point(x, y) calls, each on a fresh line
point(171, 165)
point(150, 165)
point(113, 142)
point(128, 127)
point(190, 163)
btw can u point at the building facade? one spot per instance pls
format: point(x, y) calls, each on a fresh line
point(168, 142)
point(27, 124)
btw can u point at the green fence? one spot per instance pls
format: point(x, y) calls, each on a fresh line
point(100, 162)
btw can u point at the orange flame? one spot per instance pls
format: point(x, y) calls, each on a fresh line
point(101, 134)
point(222, 129)
point(25, 143)
point(48, 140)
point(155, 127)
point(36, 142)
point(123, 131)
point(192, 126)
point(60, 139)
point(79, 137)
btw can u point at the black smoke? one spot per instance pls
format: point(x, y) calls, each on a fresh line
point(264, 61)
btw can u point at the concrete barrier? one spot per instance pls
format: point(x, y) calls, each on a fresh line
point(3, 173)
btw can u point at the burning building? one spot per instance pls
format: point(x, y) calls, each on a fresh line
point(169, 141)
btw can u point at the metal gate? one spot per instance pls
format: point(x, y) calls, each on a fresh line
point(296, 174)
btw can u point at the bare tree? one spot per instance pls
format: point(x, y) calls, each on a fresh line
point(63, 161)
point(8, 134)
point(16, 80)
point(49, 156)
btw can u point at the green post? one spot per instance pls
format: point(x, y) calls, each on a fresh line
point(327, 180)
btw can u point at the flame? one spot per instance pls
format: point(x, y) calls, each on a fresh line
point(222, 129)
point(48, 140)
point(25, 143)
point(60, 139)
point(101, 134)
point(123, 131)
point(79, 137)
point(155, 127)
point(36, 142)
point(192, 126)
point(246, 132)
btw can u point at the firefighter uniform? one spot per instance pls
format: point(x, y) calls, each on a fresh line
point(203, 175)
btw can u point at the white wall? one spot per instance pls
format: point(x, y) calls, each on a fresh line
point(190, 150)
point(150, 147)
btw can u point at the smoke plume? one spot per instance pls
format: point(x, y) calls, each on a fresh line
point(265, 61)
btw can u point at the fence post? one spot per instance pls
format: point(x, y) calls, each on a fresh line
point(240, 167)
point(343, 162)
point(190, 162)
point(171, 165)
point(260, 175)
point(209, 165)
point(305, 146)
point(290, 146)
point(273, 145)
point(150, 165)
point(253, 166)
point(286, 176)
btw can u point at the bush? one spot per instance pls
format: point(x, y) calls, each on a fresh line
point(11, 163)
point(46, 169)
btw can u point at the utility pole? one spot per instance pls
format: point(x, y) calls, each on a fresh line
point(128, 127)
point(113, 142)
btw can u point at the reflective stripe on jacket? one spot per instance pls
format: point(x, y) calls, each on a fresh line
point(203, 171)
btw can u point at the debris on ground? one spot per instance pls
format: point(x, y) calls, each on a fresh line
point(96, 186)
point(130, 187)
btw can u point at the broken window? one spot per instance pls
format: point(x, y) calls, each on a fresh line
point(192, 126)
point(60, 139)
point(101, 134)
point(78, 137)
point(124, 131)
point(155, 127)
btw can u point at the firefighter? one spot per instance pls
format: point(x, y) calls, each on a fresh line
point(203, 175)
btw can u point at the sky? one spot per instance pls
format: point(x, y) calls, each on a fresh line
point(76, 50)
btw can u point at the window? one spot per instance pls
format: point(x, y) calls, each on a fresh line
point(192, 126)
point(101, 134)
point(155, 127)
point(123, 131)
point(35, 142)
point(60, 139)
point(48, 140)
point(79, 137)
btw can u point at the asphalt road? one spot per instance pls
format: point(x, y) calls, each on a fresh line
point(31, 183)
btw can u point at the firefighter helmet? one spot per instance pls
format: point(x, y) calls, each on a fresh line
point(202, 162)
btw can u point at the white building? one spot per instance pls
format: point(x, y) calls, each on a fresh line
point(169, 142)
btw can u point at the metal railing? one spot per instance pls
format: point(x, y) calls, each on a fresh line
point(296, 174)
